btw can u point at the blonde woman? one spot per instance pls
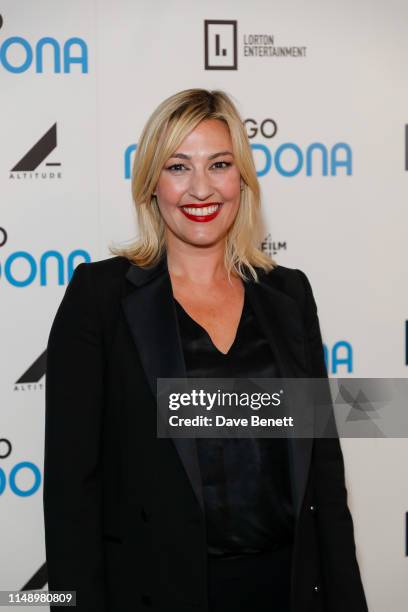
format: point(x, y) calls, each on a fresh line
point(136, 522)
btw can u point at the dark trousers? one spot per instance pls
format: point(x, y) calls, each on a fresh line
point(255, 583)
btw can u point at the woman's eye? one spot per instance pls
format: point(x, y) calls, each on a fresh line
point(227, 164)
point(217, 165)
point(175, 167)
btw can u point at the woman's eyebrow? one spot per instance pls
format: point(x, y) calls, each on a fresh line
point(213, 156)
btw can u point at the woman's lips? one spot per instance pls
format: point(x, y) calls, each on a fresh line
point(200, 212)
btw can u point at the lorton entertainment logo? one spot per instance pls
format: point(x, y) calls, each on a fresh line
point(222, 48)
point(264, 45)
point(220, 44)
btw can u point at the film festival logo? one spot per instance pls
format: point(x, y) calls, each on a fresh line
point(26, 167)
point(272, 247)
point(221, 45)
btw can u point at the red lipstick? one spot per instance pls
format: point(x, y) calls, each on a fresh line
point(201, 218)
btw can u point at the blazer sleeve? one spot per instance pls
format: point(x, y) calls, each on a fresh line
point(72, 494)
point(342, 585)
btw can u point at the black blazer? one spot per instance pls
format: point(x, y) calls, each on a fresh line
point(124, 522)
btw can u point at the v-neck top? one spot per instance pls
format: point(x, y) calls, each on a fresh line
point(246, 482)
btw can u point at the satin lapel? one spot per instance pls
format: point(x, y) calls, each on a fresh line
point(280, 318)
point(152, 320)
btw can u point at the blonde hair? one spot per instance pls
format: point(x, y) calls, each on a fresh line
point(163, 133)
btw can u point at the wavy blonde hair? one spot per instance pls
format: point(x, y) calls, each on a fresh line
point(163, 133)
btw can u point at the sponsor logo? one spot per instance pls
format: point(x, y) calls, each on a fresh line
point(220, 45)
point(272, 247)
point(30, 379)
point(38, 580)
point(264, 45)
point(37, 155)
point(3, 236)
point(129, 151)
point(21, 268)
point(22, 479)
point(406, 147)
point(221, 48)
point(18, 54)
point(268, 128)
point(340, 356)
point(406, 534)
point(289, 159)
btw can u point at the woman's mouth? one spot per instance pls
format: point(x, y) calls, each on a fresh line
point(200, 212)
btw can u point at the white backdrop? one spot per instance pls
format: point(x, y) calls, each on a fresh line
point(331, 81)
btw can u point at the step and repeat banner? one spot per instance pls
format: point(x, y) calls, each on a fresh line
point(323, 90)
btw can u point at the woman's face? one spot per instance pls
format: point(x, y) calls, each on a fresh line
point(199, 187)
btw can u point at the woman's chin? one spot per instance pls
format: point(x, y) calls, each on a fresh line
point(200, 237)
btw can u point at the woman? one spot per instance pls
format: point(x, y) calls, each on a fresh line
point(135, 522)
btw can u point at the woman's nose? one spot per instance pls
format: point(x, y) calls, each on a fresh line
point(200, 185)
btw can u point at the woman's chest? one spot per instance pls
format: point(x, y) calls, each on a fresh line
point(218, 313)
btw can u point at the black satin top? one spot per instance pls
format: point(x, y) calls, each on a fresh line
point(246, 482)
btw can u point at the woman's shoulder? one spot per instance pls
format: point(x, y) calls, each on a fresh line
point(295, 284)
point(104, 272)
point(109, 266)
point(289, 280)
point(98, 281)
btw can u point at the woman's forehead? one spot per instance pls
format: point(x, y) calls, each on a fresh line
point(208, 139)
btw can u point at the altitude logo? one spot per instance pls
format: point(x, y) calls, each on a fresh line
point(17, 54)
point(38, 580)
point(30, 380)
point(26, 167)
point(221, 45)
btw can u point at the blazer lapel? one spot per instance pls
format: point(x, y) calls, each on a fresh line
point(152, 319)
point(279, 316)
